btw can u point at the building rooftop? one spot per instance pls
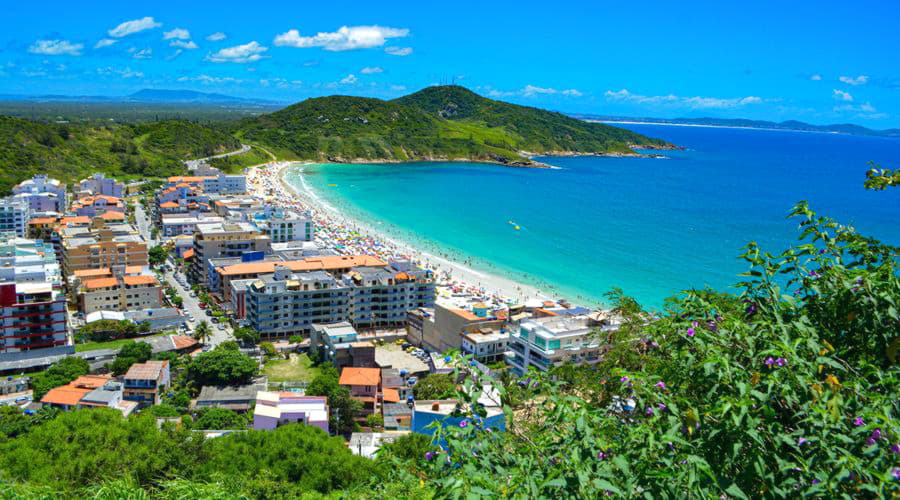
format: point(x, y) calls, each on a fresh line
point(231, 393)
point(324, 263)
point(151, 370)
point(360, 376)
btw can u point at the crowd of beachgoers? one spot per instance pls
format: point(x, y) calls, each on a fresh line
point(346, 236)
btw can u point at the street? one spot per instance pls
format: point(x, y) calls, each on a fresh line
point(193, 164)
point(191, 305)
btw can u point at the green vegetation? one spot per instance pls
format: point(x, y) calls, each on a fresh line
point(158, 255)
point(219, 419)
point(110, 329)
point(224, 365)
point(434, 123)
point(70, 152)
point(436, 386)
point(343, 408)
point(298, 368)
point(112, 344)
point(61, 373)
point(131, 352)
point(236, 163)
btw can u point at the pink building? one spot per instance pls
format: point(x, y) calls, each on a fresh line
point(279, 408)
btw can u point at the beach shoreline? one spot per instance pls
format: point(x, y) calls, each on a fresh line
point(268, 181)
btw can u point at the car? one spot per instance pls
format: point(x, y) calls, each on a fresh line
point(214, 319)
point(209, 312)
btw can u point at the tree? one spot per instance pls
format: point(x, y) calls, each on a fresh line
point(247, 335)
point(178, 301)
point(61, 373)
point(219, 419)
point(268, 349)
point(343, 407)
point(435, 386)
point(222, 366)
point(202, 332)
point(157, 255)
point(374, 421)
point(295, 339)
point(130, 353)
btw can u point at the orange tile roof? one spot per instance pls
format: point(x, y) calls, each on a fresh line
point(467, 315)
point(112, 215)
point(65, 395)
point(84, 273)
point(391, 395)
point(101, 283)
point(360, 376)
point(325, 263)
point(187, 178)
point(81, 219)
point(168, 204)
point(188, 253)
point(183, 341)
point(140, 280)
point(134, 269)
point(42, 220)
point(91, 381)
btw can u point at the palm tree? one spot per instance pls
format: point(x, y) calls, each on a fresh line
point(202, 332)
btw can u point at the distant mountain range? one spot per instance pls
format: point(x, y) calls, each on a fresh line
point(841, 128)
point(146, 96)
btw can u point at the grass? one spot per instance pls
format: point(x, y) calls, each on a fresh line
point(236, 163)
point(112, 344)
point(299, 368)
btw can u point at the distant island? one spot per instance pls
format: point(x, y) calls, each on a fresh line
point(434, 124)
point(841, 128)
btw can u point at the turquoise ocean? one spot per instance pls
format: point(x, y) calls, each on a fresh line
point(650, 226)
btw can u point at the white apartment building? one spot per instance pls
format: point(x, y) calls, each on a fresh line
point(546, 342)
point(14, 216)
point(42, 194)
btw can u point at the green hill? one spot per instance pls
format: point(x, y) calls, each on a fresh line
point(448, 122)
point(70, 152)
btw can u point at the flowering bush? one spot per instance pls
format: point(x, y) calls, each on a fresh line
point(788, 389)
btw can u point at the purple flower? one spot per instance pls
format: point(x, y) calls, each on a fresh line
point(429, 455)
point(623, 379)
point(816, 481)
point(695, 324)
point(895, 448)
point(801, 441)
point(463, 423)
point(859, 422)
point(813, 274)
point(649, 411)
point(876, 434)
point(654, 344)
point(601, 455)
point(821, 251)
point(690, 332)
point(671, 446)
point(780, 361)
point(661, 384)
point(896, 473)
point(718, 318)
point(770, 361)
point(712, 326)
point(661, 406)
point(751, 310)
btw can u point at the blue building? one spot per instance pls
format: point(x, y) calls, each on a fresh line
point(426, 412)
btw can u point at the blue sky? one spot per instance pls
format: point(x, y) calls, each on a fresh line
point(822, 62)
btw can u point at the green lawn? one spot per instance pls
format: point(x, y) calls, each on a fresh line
point(297, 369)
point(112, 344)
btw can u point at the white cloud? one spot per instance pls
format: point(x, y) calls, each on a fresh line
point(840, 95)
point(106, 42)
point(398, 88)
point(859, 80)
point(56, 48)
point(531, 91)
point(249, 52)
point(124, 73)
point(184, 45)
point(209, 80)
point(349, 80)
point(345, 38)
point(215, 37)
point(370, 70)
point(398, 51)
point(696, 102)
point(817, 77)
point(281, 83)
point(864, 110)
point(173, 55)
point(132, 27)
point(177, 33)
point(143, 54)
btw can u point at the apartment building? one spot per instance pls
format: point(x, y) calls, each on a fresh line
point(32, 306)
point(285, 303)
point(145, 381)
point(381, 297)
point(119, 293)
point(219, 183)
point(551, 341)
point(234, 206)
point(14, 216)
point(95, 205)
point(487, 343)
point(274, 409)
point(338, 344)
point(102, 245)
point(282, 225)
point(224, 239)
point(99, 184)
point(42, 194)
point(177, 224)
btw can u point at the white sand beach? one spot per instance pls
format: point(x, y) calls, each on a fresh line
point(349, 236)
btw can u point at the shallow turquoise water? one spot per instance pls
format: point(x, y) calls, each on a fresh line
point(652, 227)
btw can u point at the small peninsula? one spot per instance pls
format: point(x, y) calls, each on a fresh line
point(437, 123)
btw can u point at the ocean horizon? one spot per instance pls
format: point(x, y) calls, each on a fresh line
point(649, 226)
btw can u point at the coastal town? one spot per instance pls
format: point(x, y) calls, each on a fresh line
point(118, 294)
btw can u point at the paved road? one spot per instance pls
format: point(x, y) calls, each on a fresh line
point(193, 164)
point(192, 306)
point(144, 224)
